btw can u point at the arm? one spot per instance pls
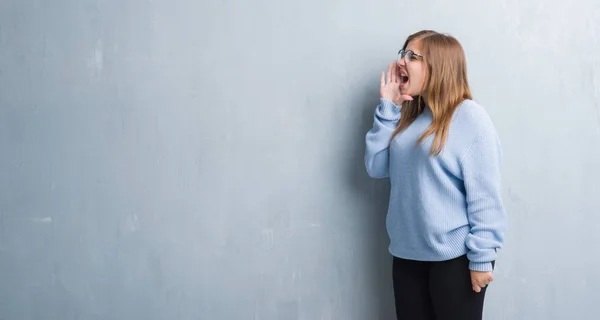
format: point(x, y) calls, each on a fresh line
point(386, 118)
point(486, 214)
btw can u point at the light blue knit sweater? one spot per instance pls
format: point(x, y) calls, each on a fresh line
point(444, 206)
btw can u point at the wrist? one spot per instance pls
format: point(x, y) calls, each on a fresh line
point(397, 102)
point(388, 110)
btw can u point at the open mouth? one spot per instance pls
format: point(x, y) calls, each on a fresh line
point(403, 78)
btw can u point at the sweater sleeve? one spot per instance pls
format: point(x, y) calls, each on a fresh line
point(386, 118)
point(481, 168)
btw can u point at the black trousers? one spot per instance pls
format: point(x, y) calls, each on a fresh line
point(436, 290)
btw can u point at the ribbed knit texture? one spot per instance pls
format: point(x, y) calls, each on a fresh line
point(444, 206)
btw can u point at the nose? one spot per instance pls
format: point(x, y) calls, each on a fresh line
point(401, 62)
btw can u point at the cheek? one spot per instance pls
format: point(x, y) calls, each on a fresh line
point(415, 74)
point(417, 78)
point(420, 78)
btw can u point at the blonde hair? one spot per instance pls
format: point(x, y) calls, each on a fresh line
point(445, 86)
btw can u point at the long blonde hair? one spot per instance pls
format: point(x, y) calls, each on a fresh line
point(445, 87)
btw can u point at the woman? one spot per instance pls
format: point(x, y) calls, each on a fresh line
point(442, 155)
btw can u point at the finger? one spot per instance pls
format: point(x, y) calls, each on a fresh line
point(476, 288)
point(382, 79)
point(406, 97)
point(389, 75)
point(394, 73)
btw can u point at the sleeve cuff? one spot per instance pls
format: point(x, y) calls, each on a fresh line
point(481, 266)
point(388, 110)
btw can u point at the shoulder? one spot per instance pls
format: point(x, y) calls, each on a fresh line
point(472, 116)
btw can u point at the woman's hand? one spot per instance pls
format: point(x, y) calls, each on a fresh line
point(480, 279)
point(390, 86)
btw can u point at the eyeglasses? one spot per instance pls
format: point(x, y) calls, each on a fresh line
point(408, 56)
